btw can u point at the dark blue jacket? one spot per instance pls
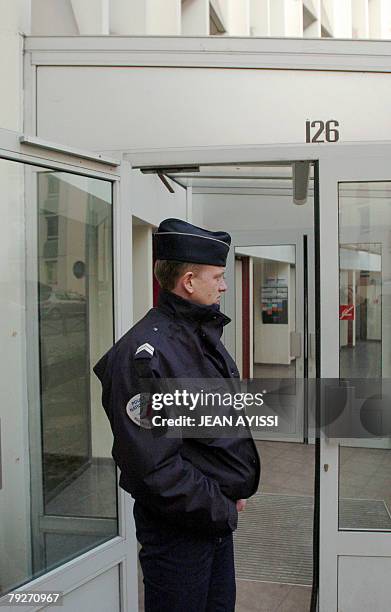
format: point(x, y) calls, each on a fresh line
point(191, 484)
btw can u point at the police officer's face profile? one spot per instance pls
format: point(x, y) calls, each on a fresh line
point(205, 285)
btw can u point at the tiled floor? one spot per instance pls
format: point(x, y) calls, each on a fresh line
point(361, 361)
point(271, 597)
point(365, 473)
point(287, 468)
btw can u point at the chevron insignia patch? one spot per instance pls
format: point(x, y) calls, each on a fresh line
point(145, 347)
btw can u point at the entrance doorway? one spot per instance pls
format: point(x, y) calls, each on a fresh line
point(269, 211)
point(352, 218)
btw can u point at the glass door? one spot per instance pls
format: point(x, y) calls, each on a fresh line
point(355, 528)
point(71, 322)
point(273, 276)
point(61, 527)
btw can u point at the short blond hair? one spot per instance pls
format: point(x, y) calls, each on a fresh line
point(168, 272)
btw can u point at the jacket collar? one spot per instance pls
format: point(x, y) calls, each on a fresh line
point(175, 306)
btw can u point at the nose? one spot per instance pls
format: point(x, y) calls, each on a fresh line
point(223, 285)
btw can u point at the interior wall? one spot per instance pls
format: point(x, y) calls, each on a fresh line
point(241, 212)
point(151, 202)
point(142, 262)
point(271, 341)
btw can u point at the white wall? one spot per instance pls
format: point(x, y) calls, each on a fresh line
point(294, 18)
point(152, 202)
point(14, 22)
point(271, 341)
point(142, 270)
point(346, 18)
point(195, 18)
point(385, 19)
point(340, 13)
point(239, 18)
point(260, 17)
point(314, 29)
point(92, 16)
point(243, 106)
point(163, 17)
point(127, 18)
point(53, 18)
point(360, 22)
point(375, 20)
point(286, 18)
point(284, 253)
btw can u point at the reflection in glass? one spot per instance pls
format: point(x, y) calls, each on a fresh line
point(365, 336)
point(75, 327)
point(58, 494)
point(360, 310)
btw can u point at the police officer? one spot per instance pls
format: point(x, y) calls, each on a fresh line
point(187, 491)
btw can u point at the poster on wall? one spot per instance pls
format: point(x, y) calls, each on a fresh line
point(274, 300)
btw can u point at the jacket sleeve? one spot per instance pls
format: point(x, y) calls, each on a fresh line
point(152, 467)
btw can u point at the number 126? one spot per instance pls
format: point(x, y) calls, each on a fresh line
point(325, 131)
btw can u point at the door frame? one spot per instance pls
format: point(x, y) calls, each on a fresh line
point(364, 163)
point(120, 550)
point(331, 161)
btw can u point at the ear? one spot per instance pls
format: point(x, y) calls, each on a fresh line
point(187, 282)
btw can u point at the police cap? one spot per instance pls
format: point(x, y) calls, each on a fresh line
point(177, 240)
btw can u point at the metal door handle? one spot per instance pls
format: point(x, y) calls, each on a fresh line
point(295, 342)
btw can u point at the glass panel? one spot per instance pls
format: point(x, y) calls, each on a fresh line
point(58, 495)
point(266, 344)
point(365, 336)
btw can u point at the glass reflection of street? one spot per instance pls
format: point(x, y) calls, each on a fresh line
point(75, 327)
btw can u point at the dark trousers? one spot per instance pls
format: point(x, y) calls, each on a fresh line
point(187, 573)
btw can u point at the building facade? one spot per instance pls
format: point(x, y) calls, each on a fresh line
point(118, 114)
